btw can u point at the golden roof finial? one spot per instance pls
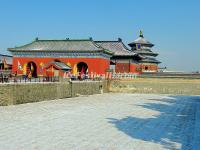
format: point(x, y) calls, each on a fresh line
point(141, 34)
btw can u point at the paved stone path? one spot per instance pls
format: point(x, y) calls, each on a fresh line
point(103, 122)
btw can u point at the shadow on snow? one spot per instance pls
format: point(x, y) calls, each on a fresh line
point(174, 124)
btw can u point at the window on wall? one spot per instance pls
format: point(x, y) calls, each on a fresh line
point(146, 68)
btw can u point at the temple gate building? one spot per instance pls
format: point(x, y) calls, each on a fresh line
point(55, 57)
point(79, 55)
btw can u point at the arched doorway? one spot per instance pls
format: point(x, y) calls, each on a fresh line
point(31, 69)
point(146, 68)
point(57, 60)
point(82, 68)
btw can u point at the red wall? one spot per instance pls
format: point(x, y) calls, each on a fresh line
point(135, 68)
point(122, 67)
point(152, 67)
point(126, 67)
point(98, 65)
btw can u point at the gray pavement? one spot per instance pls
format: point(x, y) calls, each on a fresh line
point(103, 122)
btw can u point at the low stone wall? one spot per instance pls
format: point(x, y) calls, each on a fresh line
point(157, 86)
point(86, 88)
point(12, 94)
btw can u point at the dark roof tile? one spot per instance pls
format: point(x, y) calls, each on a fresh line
point(117, 47)
point(60, 65)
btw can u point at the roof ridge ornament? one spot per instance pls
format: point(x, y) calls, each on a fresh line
point(119, 40)
point(141, 34)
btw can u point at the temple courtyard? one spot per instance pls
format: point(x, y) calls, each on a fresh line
point(113, 121)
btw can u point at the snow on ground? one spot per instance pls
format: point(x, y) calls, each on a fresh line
point(108, 122)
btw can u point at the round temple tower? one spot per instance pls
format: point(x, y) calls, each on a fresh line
point(143, 47)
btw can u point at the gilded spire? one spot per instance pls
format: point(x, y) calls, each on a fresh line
point(141, 34)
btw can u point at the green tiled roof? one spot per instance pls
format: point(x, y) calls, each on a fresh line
point(59, 45)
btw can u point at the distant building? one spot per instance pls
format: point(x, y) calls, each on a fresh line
point(141, 46)
point(55, 57)
point(5, 62)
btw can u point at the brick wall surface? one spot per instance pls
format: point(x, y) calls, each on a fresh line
point(86, 88)
point(12, 94)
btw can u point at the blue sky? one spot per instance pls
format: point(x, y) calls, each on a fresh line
point(172, 25)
